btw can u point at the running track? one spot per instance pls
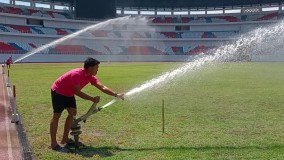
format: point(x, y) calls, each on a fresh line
point(10, 148)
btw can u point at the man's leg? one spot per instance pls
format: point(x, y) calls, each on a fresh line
point(53, 128)
point(68, 123)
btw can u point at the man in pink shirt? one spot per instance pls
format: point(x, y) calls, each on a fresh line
point(62, 94)
point(8, 62)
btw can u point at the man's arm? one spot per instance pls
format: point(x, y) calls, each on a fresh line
point(83, 95)
point(108, 91)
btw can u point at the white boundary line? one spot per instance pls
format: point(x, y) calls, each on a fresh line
point(7, 122)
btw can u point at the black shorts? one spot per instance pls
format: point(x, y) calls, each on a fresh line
point(60, 102)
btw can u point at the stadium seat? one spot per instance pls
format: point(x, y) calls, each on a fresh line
point(32, 45)
point(185, 19)
point(197, 50)
point(49, 31)
point(35, 30)
point(2, 9)
point(61, 31)
point(18, 47)
point(270, 16)
point(69, 49)
point(208, 35)
point(6, 48)
point(100, 33)
point(3, 28)
point(116, 50)
point(177, 50)
point(35, 12)
point(228, 18)
point(22, 29)
point(14, 10)
point(169, 34)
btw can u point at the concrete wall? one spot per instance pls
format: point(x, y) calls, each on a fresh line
point(27, 38)
point(12, 20)
point(66, 24)
point(46, 58)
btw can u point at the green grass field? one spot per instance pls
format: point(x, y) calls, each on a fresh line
point(225, 111)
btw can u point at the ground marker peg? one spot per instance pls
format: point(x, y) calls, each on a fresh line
point(163, 116)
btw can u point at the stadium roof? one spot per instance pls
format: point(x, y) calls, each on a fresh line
point(58, 1)
point(180, 3)
point(191, 3)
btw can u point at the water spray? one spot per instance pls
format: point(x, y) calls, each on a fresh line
point(258, 41)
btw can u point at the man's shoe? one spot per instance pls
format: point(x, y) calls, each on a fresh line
point(60, 149)
point(71, 143)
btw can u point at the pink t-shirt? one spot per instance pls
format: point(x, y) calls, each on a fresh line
point(8, 61)
point(64, 85)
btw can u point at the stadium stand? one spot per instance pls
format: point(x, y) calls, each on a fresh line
point(21, 29)
point(9, 48)
point(182, 35)
point(35, 29)
point(218, 19)
point(22, 48)
point(117, 34)
point(36, 12)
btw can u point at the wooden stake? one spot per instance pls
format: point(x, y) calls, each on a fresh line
point(163, 116)
point(14, 91)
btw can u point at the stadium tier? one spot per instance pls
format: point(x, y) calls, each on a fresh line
point(117, 34)
point(218, 19)
point(35, 12)
point(22, 48)
point(35, 29)
point(158, 19)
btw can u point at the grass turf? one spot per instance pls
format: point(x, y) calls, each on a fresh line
point(225, 111)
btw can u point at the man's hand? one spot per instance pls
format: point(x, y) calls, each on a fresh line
point(96, 99)
point(120, 95)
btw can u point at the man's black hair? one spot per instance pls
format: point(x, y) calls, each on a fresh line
point(90, 62)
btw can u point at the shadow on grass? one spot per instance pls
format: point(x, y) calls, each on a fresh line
point(111, 151)
point(89, 151)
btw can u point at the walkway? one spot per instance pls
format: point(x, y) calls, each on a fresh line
point(10, 148)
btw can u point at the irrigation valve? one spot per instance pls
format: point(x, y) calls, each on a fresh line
point(76, 127)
